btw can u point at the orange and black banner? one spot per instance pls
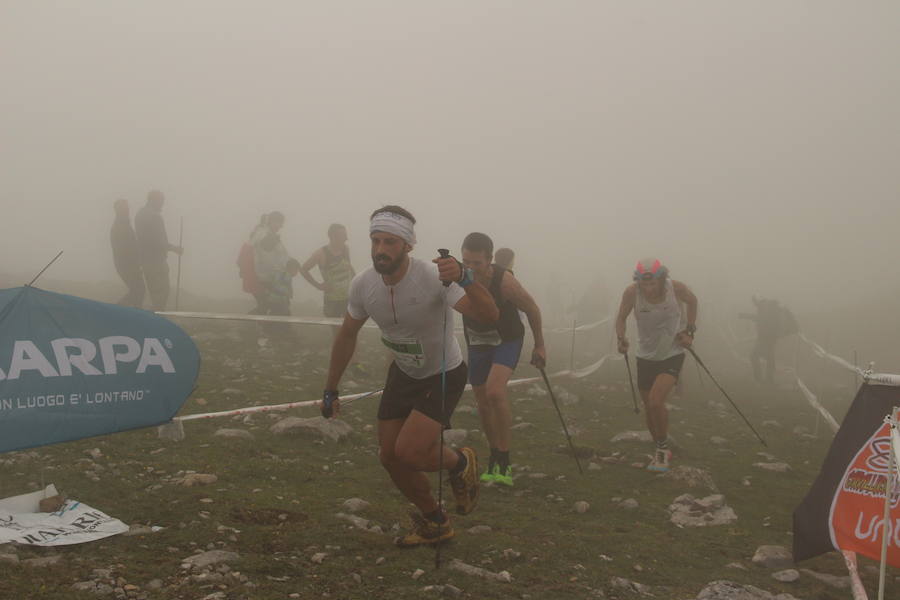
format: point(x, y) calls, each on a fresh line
point(844, 508)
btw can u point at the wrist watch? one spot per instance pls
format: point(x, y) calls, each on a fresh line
point(691, 328)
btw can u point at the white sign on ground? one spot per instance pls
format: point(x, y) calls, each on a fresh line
point(73, 523)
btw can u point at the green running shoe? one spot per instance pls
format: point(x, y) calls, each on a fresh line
point(503, 477)
point(488, 475)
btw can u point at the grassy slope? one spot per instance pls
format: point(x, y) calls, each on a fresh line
point(560, 550)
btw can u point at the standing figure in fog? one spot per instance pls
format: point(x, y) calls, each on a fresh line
point(125, 255)
point(153, 248)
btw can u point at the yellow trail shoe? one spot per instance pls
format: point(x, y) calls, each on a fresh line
point(425, 531)
point(488, 474)
point(465, 485)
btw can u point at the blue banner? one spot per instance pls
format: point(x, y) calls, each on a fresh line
point(72, 368)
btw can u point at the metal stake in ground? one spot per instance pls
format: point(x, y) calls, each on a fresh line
point(561, 420)
point(713, 379)
point(631, 382)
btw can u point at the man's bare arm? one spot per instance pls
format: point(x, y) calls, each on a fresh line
point(305, 268)
point(625, 308)
point(684, 294)
point(514, 292)
point(478, 304)
point(342, 350)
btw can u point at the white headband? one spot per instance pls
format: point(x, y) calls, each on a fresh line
point(395, 224)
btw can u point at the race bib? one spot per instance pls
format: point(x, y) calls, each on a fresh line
point(407, 352)
point(491, 337)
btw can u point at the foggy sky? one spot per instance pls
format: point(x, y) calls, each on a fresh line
point(753, 146)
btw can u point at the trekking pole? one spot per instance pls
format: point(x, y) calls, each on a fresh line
point(631, 382)
point(561, 420)
point(713, 379)
point(178, 277)
point(437, 549)
point(700, 376)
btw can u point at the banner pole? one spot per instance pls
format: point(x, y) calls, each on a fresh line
point(178, 278)
point(572, 355)
point(856, 586)
point(888, 492)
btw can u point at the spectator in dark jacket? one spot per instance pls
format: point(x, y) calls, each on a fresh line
point(773, 321)
point(125, 255)
point(154, 248)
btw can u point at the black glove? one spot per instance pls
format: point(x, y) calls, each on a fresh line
point(328, 398)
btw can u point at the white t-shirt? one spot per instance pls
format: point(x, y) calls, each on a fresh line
point(410, 316)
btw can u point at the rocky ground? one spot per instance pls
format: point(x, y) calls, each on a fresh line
point(284, 505)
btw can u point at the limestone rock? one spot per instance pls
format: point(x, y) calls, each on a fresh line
point(773, 557)
point(632, 436)
point(620, 583)
point(692, 476)
point(458, 565)
point(687, 511)
point(332, 429)
point(729, 590)
point(192, 479)
point(786, 576)
point(46, 561)
point(834, 581)
point(355, 505)
point(242, 434)
point(479, 529)
point(210, 557)
point(455, 437)
point(778, 467)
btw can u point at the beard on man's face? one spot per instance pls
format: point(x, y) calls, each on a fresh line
point(384, 265)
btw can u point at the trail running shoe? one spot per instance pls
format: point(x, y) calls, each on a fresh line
point(503, 477)
point(488, 475)
point(465, 484)
point(425, 531)
point(661, 460)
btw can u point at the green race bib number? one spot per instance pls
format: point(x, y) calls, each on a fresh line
point(407, 352)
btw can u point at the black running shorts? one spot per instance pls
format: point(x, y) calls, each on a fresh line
point(649, 369)
point(403, 394)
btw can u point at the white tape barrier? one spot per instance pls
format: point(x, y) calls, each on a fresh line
point(325, 321)
point(577, 374)
point(868, 376)
point(811, 398)
point(882, 378)
point(822, 353)
point(262, 318)
point(856, 586)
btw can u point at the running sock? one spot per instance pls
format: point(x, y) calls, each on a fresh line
point(461, 463)
point(437, 516)
point(503, 460)
point(493, 459)
point(663, 445)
